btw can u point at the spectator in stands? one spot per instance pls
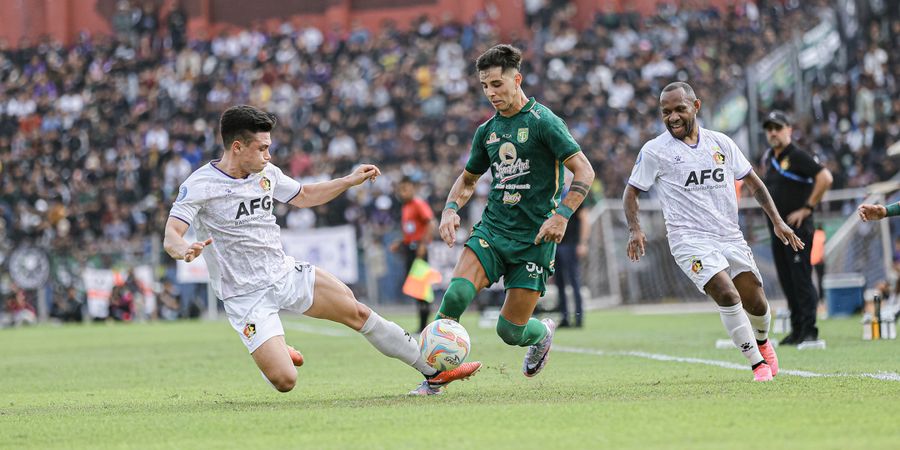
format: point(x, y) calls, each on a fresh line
point(168, 302)
point(68, 308)
point(19, 310)
point(109, 112)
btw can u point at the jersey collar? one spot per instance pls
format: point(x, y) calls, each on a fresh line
point(528, 106)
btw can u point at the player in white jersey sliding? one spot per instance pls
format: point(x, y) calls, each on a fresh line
point(229, 202)
point(694, 170)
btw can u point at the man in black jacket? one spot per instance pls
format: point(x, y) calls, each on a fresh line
point(796, 182)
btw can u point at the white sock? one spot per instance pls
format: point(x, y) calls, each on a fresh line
point(760, 324)
point(738, 326)
point(392, 341)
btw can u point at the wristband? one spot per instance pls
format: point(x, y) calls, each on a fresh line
point(893, 209)
point(452, 205)
point(811, 208)
point(567, 212)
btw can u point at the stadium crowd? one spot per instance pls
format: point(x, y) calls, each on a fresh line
point(96, 137)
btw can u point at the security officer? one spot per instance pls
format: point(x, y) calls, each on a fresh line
point(796, 182)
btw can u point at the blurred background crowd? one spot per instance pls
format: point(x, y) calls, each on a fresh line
point(96, 137)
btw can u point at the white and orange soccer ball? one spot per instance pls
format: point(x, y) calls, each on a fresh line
point(444, 344)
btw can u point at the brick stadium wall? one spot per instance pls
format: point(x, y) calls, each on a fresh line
point(64, 19)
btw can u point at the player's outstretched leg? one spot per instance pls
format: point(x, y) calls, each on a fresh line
point(757, 309)
point(736, 323)
point(334, 301)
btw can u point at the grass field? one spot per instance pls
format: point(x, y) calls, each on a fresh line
point(192, 385)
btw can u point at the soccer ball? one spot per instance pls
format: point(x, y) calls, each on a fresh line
point(444, 344)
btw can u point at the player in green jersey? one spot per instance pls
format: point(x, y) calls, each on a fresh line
point(525, 146)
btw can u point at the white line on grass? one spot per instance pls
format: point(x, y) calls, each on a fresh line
point(884, 376)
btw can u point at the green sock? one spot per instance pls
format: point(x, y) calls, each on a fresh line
point(522, 335)
point(535, 331)
point(459, 294)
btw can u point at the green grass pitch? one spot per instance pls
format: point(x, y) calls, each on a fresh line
point(192, 385)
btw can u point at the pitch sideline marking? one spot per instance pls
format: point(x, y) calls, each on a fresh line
point(883, 376)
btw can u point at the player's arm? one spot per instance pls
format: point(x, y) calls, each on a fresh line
point(554, 228)
point(582, 249)
point(175, 244)
point(460, 193)
point(869, 212)
point(315, 194)
point(636, 239)
point(822, 182)
point(761, 194)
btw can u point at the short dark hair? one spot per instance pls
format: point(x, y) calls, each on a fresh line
point(407, 179)
point(504, 56)
point(688, 90)
point(239, 122)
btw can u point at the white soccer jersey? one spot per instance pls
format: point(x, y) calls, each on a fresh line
point(246, 253)
point(695, 184)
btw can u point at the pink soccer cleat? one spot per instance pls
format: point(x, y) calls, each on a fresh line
point(768, 353)
point(762, 372)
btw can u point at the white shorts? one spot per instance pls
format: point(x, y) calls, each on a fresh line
point(701, 259)
point(255, 315)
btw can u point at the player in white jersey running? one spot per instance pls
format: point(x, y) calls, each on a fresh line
point(694, 170)
point(229, 202)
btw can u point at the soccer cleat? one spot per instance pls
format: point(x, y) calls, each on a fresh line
point(762, 372)
point(768, 353)
point(539, 353)
point(433, 384)
point(296, 357)
point(425, 389)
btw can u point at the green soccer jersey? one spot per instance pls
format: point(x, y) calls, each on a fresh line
point(525, 153)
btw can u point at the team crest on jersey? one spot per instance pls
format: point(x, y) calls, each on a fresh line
point(785, 164)
point(182, 193)
point(249, 330)
point(483, 243)
point(522, 135)
point(493, 139)
point(719, 158)
point(265, 183)
point(696, 265)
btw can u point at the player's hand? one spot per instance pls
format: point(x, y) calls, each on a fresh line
point(796, 218)
point(636, 243)
point(195, 250)
point(581, 250)
point(362, 173)
point(786, 235)
point(449, 225)
point(552, 230)
point(871, 212)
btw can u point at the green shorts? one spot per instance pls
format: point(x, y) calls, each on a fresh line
point(521, 264)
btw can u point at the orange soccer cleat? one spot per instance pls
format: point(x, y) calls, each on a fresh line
point(433, 384)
